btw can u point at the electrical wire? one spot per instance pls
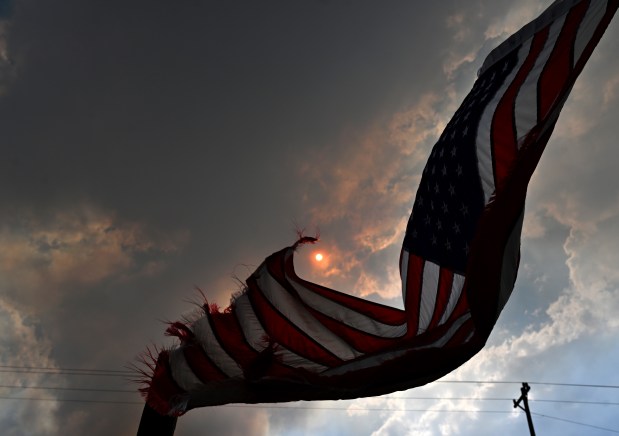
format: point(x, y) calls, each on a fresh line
point(579, 385)
point(302, 407)
point(96, 372)
point(575, 422)
point(127, 373)
point(61, 388)
point(52, 368)
point(132, 391)
point(305, 407)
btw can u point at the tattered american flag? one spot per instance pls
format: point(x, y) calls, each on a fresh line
point(284, 338)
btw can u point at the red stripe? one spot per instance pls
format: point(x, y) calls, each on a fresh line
point(359, 340)
point(559, 66)
point(611, 8)
point(232, 339)
point(200, 364)
point(462, 306)
point(414, 279)
point(381, 313)
point(445, 282)
point(195, 355)
point(162, 388)
point(461, 335)
point(503, 130)
point(282, 331)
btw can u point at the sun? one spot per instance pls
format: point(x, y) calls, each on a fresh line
point(318, 257)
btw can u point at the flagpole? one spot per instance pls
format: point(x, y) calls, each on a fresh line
point(152, 423)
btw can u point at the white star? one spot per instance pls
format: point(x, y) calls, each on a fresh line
point(456, 228)
point(452, 190)
point(459, 170)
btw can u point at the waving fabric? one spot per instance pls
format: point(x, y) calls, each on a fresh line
point(286, 339)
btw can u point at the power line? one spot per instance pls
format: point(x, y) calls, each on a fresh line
point(348, 409)
point(125, 374)
point(114, 372)
point(580, 385)
point(60, 388)
point(597, 403)
point(70, 400)
point(270, 406)
point(61, 372)
point(132, 391)
point(52, 368)
point(274, 406)
point(575, 422)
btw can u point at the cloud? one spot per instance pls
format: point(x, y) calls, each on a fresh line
point(24, 344)
point(78, 247)
point(363, 195)
point(226, 421)
point(510, 21)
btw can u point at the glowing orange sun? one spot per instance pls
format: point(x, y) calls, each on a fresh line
point(318, 257)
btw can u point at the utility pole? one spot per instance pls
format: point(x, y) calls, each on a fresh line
point(524, 390)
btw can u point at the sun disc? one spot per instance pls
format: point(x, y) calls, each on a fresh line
point(318, 257)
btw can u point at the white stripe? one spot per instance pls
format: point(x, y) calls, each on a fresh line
point(429, 287)
point(371, 361)
point(211, 346)
point(557, 8)
point(376, 360)
point(483, 141)
point(255, 335)
point(454, 296)
point(182, 373)
point(346, 315)
point(587, 28)
point(404, 273)
point(250, 325)
point(297, 314)
point(448, 334)
point(525, 111)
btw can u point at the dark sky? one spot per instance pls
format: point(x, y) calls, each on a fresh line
point(149, 147)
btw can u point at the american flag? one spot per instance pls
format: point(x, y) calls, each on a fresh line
point(285, 339)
